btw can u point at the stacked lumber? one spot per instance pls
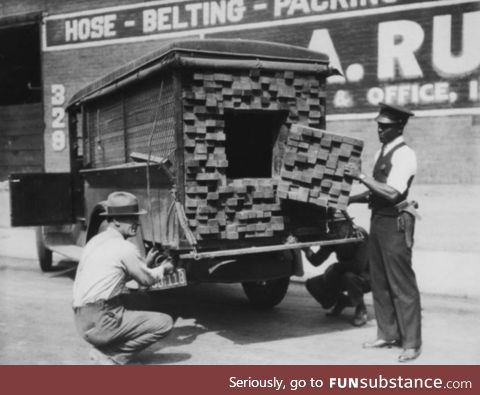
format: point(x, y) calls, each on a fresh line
point(217, 208)
point(313, 169)
point(244, 208)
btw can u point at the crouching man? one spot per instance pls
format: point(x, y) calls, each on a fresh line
point(343, 283)
point(102, 313)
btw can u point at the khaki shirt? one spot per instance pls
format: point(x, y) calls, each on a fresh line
point(102, 271)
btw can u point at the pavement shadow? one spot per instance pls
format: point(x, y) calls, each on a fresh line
point(223, 309)
point(159, 358)
point(184, 335)
point(179, 336)
point(63, 268)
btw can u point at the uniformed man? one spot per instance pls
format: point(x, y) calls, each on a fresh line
point(395, 292)
point(103, 314)
point(349, 274)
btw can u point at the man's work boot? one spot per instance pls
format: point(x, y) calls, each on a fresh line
point(342, 302)
point(360, 317)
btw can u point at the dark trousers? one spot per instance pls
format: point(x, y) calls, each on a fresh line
point(120, 327)
point(328, 287)
point(394, 287)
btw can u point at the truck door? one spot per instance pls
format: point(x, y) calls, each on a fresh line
point(41, 199)
point(21, 106)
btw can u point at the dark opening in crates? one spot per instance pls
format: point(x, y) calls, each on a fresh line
point(250, 138)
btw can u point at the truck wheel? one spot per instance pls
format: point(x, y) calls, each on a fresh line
point(44, 254)
point(266, 294)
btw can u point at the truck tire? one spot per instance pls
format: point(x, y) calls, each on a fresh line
point(266, 294)
point(44, 254)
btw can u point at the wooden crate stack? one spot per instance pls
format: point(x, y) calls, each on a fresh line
point(245, 208)
point(313, 168)
point(215, 207)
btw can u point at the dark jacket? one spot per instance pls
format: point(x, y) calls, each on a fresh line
point(352, 257)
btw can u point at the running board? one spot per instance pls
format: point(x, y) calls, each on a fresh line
point(71, 251)
point(268, 248)
point(64, 244)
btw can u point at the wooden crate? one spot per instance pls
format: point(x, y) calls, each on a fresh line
point(314, 163)
point(244, 208)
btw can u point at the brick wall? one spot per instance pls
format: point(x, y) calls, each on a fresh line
point(20, 139)
point(73, 68)
point(448, 148)
point(18, 7)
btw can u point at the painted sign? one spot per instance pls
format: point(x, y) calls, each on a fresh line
point(422, 54)
point(156, 19)
point(421, 60)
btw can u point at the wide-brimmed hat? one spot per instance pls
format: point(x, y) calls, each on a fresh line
point(122, 204)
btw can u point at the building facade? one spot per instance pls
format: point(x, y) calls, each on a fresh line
point(420, 54)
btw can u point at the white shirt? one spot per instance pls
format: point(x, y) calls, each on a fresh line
point(102, 271)
point(404, 164)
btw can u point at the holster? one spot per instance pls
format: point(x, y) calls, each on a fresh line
point(406, 220)
point(409, 207)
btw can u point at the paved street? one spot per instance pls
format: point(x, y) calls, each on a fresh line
point(214, 325)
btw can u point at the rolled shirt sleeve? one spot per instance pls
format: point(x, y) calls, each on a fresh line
point(136, 267)
point(404, 166)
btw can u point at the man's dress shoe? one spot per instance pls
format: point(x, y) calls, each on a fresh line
point(409, 354)
point(380, 343)
point(360, 318)
point(342, 302)
point(100, 358)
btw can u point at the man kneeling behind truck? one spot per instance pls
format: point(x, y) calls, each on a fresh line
point(349, 274)
point(108, 261)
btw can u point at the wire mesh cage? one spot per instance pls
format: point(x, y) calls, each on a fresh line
point(141, 122)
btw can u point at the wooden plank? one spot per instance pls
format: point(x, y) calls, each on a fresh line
point(22, 157)
point(19, 142)
point(22, 127)
point(29, 111)
point(24, 119)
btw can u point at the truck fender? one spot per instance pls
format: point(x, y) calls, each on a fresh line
point(96, 219)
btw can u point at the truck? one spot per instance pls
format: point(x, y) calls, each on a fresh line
point(223, 141)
